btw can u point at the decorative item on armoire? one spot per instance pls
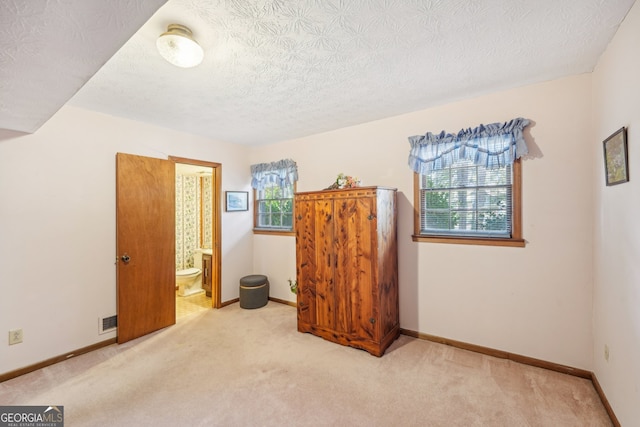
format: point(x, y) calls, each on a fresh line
point(344, 181)
point(616, 162)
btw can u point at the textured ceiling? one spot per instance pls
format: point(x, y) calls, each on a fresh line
point(278, 69)
point(49, 49)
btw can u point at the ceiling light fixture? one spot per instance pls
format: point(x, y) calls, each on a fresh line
point(179, 48)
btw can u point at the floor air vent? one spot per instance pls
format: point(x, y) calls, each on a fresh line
point(108, 324)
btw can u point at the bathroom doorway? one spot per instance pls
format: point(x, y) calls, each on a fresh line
point(198, 237)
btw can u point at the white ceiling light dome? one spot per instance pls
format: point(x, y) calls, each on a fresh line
point(178, 46)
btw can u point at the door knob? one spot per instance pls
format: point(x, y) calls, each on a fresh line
point(125, 258)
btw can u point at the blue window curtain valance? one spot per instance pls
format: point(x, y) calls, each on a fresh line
point(283, 173)
point(493, 146)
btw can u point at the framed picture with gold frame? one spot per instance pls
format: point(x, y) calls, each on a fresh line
point(616, 160)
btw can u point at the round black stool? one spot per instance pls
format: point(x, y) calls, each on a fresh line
point(254, 291)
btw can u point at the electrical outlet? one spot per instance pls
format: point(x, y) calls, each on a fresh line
point(606, 352)
point(15, 336)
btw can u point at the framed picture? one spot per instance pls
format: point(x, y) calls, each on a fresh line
point(616, 163)
point(237, 201)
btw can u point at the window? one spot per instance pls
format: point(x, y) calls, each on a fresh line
point(274, 208)
point(274, 184)
point(468, 186)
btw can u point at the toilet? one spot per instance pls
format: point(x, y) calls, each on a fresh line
point(189, 282)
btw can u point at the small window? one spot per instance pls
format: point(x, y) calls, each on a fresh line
point(273, 187)
point(274, 208)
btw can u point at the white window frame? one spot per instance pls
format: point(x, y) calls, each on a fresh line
point(262, 229)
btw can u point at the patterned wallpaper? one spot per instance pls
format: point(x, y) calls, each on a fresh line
point(193, 201)
point(207, 211)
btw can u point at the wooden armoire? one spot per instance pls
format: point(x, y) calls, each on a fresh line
point(347, 266)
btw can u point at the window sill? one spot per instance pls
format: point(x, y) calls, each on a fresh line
point(274, 232)
point(481, 241)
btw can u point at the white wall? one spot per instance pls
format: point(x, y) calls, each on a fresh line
point(57, 226)
point(275, 256)
point(616, 103)
point(58, 214)
point(534, 301)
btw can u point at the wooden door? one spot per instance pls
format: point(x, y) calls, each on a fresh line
point(356, 293)
point(145, 245)
point(305, 263)
point(315, 258)
point(206, 273)
point(326, 259)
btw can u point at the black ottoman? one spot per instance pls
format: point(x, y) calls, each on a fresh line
point(254, 291)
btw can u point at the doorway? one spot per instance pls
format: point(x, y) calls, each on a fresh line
point(145, 242)
point(205, 178)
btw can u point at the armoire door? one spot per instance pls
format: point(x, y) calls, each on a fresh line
point(325, 297)
point(355, 220)
point(305, 262)
point(206, 273)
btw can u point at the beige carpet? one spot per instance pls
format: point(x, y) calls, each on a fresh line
point(235, 367)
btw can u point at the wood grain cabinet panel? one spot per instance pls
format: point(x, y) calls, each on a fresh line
point(347, 266)
point(206, 273)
